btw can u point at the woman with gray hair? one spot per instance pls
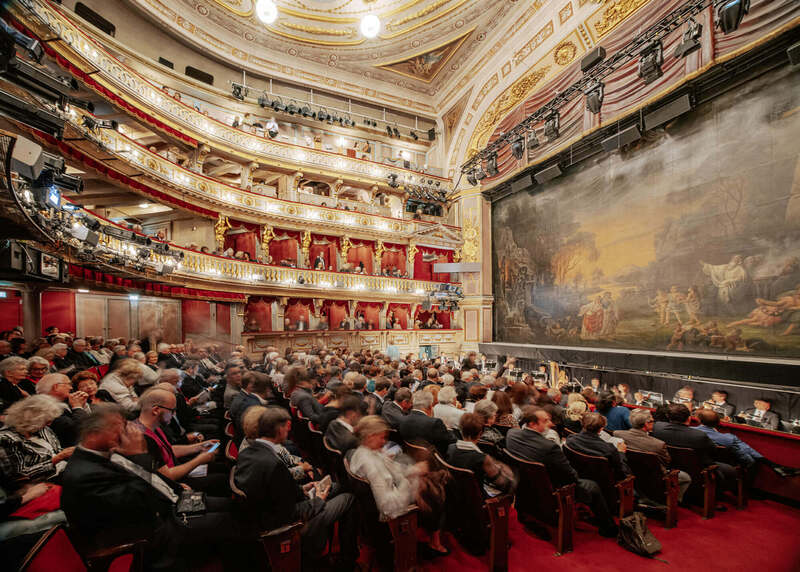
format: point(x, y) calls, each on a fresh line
point(119, 383)
point(13, 385)
point(29, 449)
point(487, 409)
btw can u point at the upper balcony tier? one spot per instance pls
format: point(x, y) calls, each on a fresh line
point(92, 63)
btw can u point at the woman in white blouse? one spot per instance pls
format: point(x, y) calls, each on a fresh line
point(394, 484)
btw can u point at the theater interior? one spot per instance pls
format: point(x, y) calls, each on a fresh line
point(399, 285)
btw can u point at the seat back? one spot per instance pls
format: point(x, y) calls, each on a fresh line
point(534, 495)
point(53, 551)
point(465, 507)
point(335, 464)
point(489, 448)
point(317, 452)
point(596, 469)
point(231, 451)
point(301, 435)
point(686, 460)
point(649, 474)
point(725, 455)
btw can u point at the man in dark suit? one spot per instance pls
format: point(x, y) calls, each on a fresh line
point(65, 425)
point(529, 443)
point(376, 399)
point(677, 433)
point(339, 433)
point(79, 357)
point(589, 442)
point(761, 416)
point(420, 423)
point(241, 401)
point(274, 499)
point(109, 496)
point(393, 412)
point(719, 403)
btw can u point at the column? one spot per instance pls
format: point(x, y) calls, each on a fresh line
point(237, 322)
point(32, 310)
point(475, 313)
point(281, 313)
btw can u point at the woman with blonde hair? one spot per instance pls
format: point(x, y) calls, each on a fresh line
point(574, 413)
point(119, 383)
point(29, 449)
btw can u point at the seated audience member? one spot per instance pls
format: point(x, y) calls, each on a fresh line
point(677, 433)
point(447, 409)
point(475, 393)
point(300, 386)
point(29, 449)
point(719, 400)
point(157, 408)
point(638, 438)
point(274, 498)
point(394, 485)
point(573, 415)
point(488, 411)
point(685, 395)
point(505, 410)
point(255, 391)
point(119, 382)
point(86, 381)
point(233, 384)
point(300, 470)
point(13, 384)
point(623, 393)
point(165, 358)
point(340, 431)
point(186, 424)
point(151, 360)
point(617, 416)
point(62, 361)
point(377, 398)
point(393, 412)
point(66, 425)
point(37, 367)
point(419, 424)
point(744, 453)
point(109, 498)
point(530, 444)
point(761, 415)
point(79, 357)
point(331, 409)
point(588, 442)
point(494, 476)
point(192, 383)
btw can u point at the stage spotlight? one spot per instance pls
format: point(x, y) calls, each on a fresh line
point(518, 147)
point(388, 131)
point(306, 112)
point(392, 180)
point(729, 14)
point(650, 60)
point(292, 109)
point(278, 105)
point(691, 39)
point(480, 174)
point(491, 165)
point(396, 132)
point(143, 253)
point(263, 100)
point(533, 140)
point(471, 178)
point(414, 136)
point(239, 91)
point(594, 97)
point(551, 126)
point(322, 115)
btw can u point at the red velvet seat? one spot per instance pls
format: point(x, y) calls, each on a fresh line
point(618, 494)
point(55, 552)
point(703, 489)
point(652, 483)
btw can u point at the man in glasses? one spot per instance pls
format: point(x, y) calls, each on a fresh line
point(65, 426)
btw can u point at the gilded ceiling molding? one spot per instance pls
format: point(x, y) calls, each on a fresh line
point(611, 15)
point(389, 36)
point(426, 65)
point(429, 9)
point(484, 91)
point(314, 41)
point(319, 31)
point(245, 9)
point(453, 115)
point(536, 41)
point(316, 17)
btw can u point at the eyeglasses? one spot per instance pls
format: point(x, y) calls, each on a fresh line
point(171, 409)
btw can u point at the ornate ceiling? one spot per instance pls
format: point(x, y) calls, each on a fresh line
point(422, 43)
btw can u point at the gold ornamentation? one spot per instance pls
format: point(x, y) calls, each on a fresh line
point(472, 237)
point(536, 41)
point(418, 14)
point(304, 248)
point(457, 255)
point(308, 40)
point(316, 30)
point(411, 253)
point(220, 228)
point(267, 234)
point(565, 53)
point(426, 66)
point(336, 187)
point(344, 246)
point(614, 13)
point(379, 250)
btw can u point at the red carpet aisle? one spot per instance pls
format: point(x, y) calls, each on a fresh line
point(764, 537)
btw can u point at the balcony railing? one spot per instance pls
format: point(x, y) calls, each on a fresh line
point(152, 99)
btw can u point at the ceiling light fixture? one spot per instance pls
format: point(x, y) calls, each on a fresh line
point(267, 11)
point(144, 205)
point(370, 25)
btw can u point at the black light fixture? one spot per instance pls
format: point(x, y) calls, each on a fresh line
point(396, 132)
point(432, 134)
point(594, 97)
point(239, 91)
point(518, 147)
point(263, 100)
point(551, 126)
point(491, 165)
point(471, 178)
point(414, 136)
point(393, 180)
point(278, 105)
point(691, 39)
point(322, 114)
point(533, 140)
point(389, 131)
point(291, 109)
point(306, 112)
point(479, 173)
point(650, 60)
point(728, 14)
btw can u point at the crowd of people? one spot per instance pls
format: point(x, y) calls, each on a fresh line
point(111, 436)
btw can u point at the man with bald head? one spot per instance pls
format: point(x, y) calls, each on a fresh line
point(67, 425)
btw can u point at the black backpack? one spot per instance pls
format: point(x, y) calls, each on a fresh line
point(636, 537)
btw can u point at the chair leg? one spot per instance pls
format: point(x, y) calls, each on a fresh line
point(566, 520)
point(625, 491)
point(709, 491)
point(498, 532)
point(404, 537)
point(672, 492)
point(741, 494)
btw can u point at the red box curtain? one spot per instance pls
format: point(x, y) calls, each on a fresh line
point(327, 246)
point(259, 314)
point(223, 320)
point(284, 246)
point(297, 310)
point(442, 317)
point(394, 257)
point(372, 313)
point(361, 251)
point(336, 310)
point(244, 240)
point(424, 270)
point(401, 312)
point(195, 317)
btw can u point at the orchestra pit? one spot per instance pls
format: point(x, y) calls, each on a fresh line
point(399, 285)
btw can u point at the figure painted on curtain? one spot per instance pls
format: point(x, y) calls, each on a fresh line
point(731, 280)
point(592, 314)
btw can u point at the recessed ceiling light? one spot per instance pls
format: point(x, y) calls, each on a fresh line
point(267, 11)
point(144, 205)
point(370, 25)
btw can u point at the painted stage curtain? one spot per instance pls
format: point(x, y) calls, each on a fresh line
point(325, 245)
point(361, 251)
point(284, 246)
point(336, 310)
point(394, 257)
point(424, 270)
point(401, 312)
point(372, 313)
point(259, 308)
point(298, 309)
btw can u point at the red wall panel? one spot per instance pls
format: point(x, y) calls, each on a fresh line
point(10, 310)
point(195, 317)
point(223, 320)
point(58, 309)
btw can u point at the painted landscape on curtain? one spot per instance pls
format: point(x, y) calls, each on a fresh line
point(687, 241)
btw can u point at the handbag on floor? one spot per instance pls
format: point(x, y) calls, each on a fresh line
point(636, 537)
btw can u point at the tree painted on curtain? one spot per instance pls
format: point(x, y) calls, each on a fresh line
point(689, 241)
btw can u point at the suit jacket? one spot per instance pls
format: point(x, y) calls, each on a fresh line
point(532, 446)
point(417, 425)
point(81, 360)
point(10, 394)
point(273, 497)
point(374, 403)
point(191, 386)
point(641, 441)
point(678, 435)
point(728, 409)
point(103, 500)
point(770, 420)
point(239, 405)
point(743, 452)
point(168, 361)
point(67, 426)
point(340, 437)
point(303, 400)
point(592, 444)
point(393, 414)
